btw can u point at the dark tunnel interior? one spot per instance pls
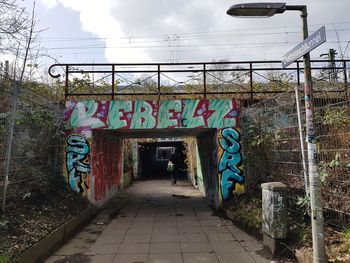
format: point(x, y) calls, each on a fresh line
point(154, 156)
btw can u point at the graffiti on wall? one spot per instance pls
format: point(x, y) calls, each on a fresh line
point(230, 158)
point(85, 117)
point(77, 154)
point(183, 113)
point(106, 165)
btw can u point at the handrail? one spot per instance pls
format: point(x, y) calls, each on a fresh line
point(203, 68)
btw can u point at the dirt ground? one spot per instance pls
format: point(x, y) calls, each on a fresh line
point(27, 221)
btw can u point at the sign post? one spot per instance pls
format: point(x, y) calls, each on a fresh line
point(310, 43)
point(303, 49)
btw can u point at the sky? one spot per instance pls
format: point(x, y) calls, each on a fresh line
point(156, 31)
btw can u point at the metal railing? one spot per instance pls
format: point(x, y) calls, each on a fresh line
point(205, 79)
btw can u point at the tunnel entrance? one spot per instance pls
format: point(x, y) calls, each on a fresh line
point(154, 157)
point(95, 160)
point(143, 155)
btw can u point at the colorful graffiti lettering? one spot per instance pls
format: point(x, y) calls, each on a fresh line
point(231, 176)
point(77, 162)
point(101, 178)
point(106, 165)
point(151, 114)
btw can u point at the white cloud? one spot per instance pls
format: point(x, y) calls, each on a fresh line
point(96, 17)
point(197, 30)
point(49, 3)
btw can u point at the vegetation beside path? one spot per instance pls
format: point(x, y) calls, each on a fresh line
point(38, 215)
point(247, 212)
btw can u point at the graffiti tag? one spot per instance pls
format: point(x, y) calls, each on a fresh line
point(151, 114)
point(77, 162)
point(230, 160)
point(106, 165)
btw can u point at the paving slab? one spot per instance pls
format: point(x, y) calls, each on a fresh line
point(131, 258)
point(173, 247)
point(133, 248)
point(229, 257)
point(102, 259)
point(200, 258)
point(103, 249)
point(161, 223)
point(196, 247)
point(165, 258)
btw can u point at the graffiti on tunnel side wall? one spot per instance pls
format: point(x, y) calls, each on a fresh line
point(230, 158)
point(77, 153)
point(99, 176)
point(183, 113)
point(106, 165)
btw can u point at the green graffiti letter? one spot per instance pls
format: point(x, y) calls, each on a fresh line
point(114, 114)
point(188, 115)
point(143, 118)
point(164, 116)
point(81, 115)
point(220, 108)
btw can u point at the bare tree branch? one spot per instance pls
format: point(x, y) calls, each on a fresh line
point(28, 43)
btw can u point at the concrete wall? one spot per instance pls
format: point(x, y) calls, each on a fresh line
point(135, 160)
point(107, 167)
point(200, 180)
point(207, 154)
point(94, 165)
point(229, 168)
point(87, 170)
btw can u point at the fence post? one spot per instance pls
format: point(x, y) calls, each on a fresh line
point(251, 81)
point(158, 81)
point(9, 144)
point(302, 148)
point(205, 80)
point(113, 80)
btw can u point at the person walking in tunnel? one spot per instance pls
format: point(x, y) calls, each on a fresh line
point(173, 166)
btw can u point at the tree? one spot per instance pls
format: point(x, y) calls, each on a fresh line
point(14, 25)
point(18, 38)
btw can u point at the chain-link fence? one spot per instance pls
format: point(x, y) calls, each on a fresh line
point(30, 144)
point(273, 148)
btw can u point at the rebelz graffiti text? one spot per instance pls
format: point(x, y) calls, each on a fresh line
point(183, 113)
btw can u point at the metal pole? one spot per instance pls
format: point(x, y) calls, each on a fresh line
point(319, 253)
point(113, 80)
point(298, 73)
point(251, 80)
point(158, 81)
point(302, 148)
point(66, 90)
point(9, 145)
point(205, 80)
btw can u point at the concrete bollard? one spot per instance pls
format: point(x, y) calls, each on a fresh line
point(274, 215)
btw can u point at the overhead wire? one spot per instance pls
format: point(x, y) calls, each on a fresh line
point(182, 34)
point(182, 46)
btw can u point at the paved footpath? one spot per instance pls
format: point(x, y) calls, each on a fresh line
point(153, 221)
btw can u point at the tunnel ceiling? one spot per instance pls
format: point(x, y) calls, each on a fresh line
point(157, 133)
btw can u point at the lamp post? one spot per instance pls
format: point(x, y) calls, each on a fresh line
point(267, 10)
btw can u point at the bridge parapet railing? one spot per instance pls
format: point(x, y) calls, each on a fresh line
point(247, 79)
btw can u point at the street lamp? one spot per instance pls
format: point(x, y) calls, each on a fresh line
point(267, 10)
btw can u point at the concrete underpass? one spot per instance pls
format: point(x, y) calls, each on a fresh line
point(96, 130)
point(143, 218)
point(149, 163)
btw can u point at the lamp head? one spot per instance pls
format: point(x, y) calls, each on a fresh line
point(256, 9)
